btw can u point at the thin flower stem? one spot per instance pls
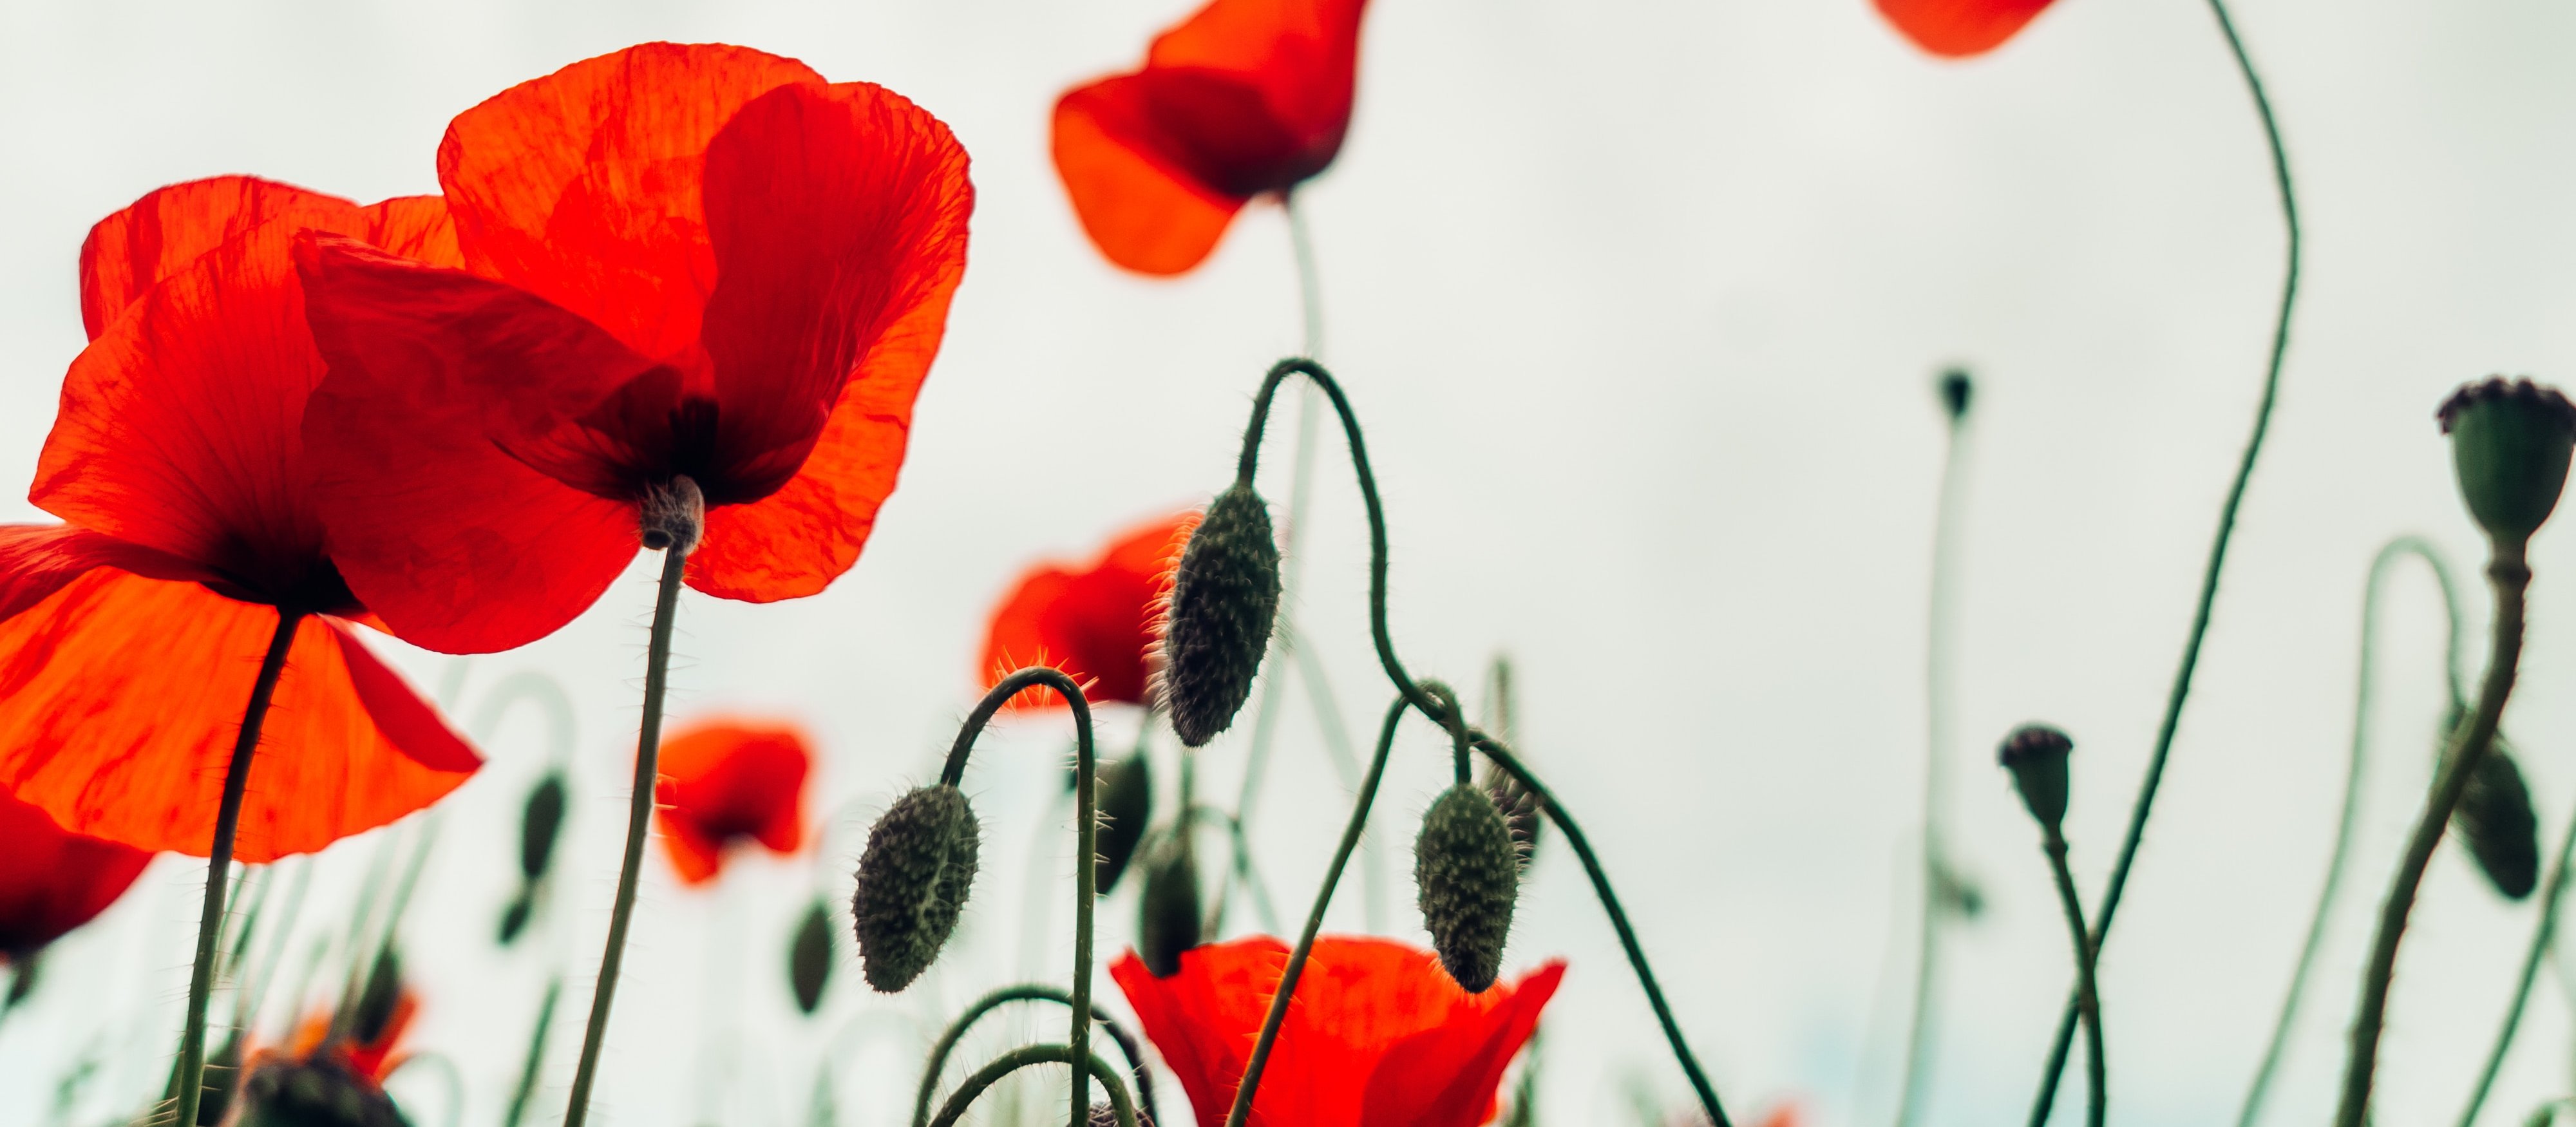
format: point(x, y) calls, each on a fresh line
point(639, 821)
point(1310, 282)
point(2381, 566)
point(536, 1063)
point(2511, 576)
point(1940, 630)
point(1029, 1055)
point(2088, 990)
point(1288, 975)
point(2550, 899)
point(219, 859)
point(2165, 729)
point(1028, 992)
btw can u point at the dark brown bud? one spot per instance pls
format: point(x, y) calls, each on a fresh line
point(323, 1091)
point(1167, 913)
point(2496, 822)
point(1126, 806)
point(2036, 756)
point(674, 516)
point(1520, 809)
point(809, 958)
point(540, 824)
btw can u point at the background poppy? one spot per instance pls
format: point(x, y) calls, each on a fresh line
point(730, 781)
point(1960, 28)
point(52, 881)
point(1097, 622)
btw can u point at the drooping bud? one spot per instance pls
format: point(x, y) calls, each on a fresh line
point(1468, 873)
point(540, 823)
point(1167, 913)
point(809, 958)
point(323, 1091)
point(2495, 819)
point(514, 918)
point(1520, 809)
point(913, 880)
point(2510, 441)
point(378, 998)
point(674, 515)
point(1955, 393)
point(2036, 756)
point(1225, 597)
point(1126, 805)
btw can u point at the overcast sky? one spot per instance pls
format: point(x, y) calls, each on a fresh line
point(1641, 304)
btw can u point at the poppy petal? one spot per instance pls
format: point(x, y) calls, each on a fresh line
point(121, 696)
point(583, 186)
point(1095, 623)
point(437, 378)
point(36, 560)
point(1302, 54)
point(160, 234)
point(838, 217)
point(51, 880)
point(1143, 208)
point(1447, 1076)
point(1960, 28)
point(419, 228)
point(725, 781)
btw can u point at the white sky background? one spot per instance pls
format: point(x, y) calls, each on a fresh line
point(1640, 303)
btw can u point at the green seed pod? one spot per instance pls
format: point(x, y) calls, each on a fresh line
point(809, 958)
point(1469, 874)
point(913, 880)
point(2036, 756)
point(376, 1000)
point(1167, 914)
point(2495, 819)
point(1126, 805)
point(321, 1092)
point(540, 824)
point(1225, 596)
point(1520, 809)
point(2509, 445)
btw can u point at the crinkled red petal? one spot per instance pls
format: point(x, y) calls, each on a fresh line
point(169, 228)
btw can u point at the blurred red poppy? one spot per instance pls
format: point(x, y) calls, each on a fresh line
point(1959, 28)
point(1378, 1035)
point(374, 1058)
point(52, 881)
point(1096, 623)
point(130, 637)
point(697, 261)
point(1243, 98)
point(724, 782)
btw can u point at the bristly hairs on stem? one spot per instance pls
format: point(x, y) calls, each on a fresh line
point(2166, 728)
point(1030, 992)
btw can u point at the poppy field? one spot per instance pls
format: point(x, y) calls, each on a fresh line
point(1280, 562)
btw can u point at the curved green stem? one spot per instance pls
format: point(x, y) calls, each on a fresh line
point(536, 1062)
point(1027, 992)
point(2087, 988)
point(1288, 975)
point(1938, 637)
point(1026, 1056)
point(639, 824)
point(2381, 566)
point(219, 859)
point(2550, 899)
point(2510, 576)
point(2181, 692)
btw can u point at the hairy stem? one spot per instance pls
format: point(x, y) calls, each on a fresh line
point(2087, 988)
point(1027, 992)
point(1030, 1055)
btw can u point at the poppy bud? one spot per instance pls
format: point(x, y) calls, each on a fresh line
point(376, 1000)
point(674, 513)
point(1469, 874)
point(1103, 1115)
point(1225, 596)
point(1126, 805)
point(809, 958)
point(2036, 756)
point(1955, 389)
point(1520, 810)
point(514, 919)
point(1167, 913)
point(2509, 445)
point(2495, 820)
point(540, 824)
point(913, 880)
point(321, 1092)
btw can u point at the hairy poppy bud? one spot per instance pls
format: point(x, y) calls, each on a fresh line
point(1126, 805)
point(1103, 1115)
point(1469, 875)
point(2509, 445)
point(540, 823)
point(913, 880)
point(809, 958)
point(1167, 914)
point(377, 999)
point(1520, 810)
point(1225, 596)
point(2036, 756)
point(323, 1091)
point(674, 514)
point(1955, 389)
point(2496, 821)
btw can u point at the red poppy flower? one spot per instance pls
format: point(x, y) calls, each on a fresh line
point(725, 782)
point(52, 881)
point(375, 1058)
point(1245, 97)
point(696, 261)
point(1097, 623)
point(1959, 28)
point(129, 637)
point(1379, 1036)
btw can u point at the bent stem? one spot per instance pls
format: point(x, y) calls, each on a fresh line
point(1939, 630)
point(1028, 1055)
point(2165, 729)
point(2381, 566)
point(219, 859)
point(2541, 934)
point(1029, 992)
point(639, 820)
point(2510, 576)
point(2087, 989)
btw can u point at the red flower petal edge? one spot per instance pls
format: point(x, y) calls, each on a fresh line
point(52, 880)
point(1096, 623)
point(1960, 28)
point(730, 781)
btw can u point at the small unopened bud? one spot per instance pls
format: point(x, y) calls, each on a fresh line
point(1468, 873)
point(323, 1091)
point(1955, 393)
point(1126, 805)
point(2509, 445)
point(514, 918)
point(674, 515)
point(377, 1000)
point(913, 880)
point(540, 824)
point(809, 958)
point(1520, 809)
point(2036, 756)
point(1225, 597)
point(2496, 821)
point(1167, 913)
